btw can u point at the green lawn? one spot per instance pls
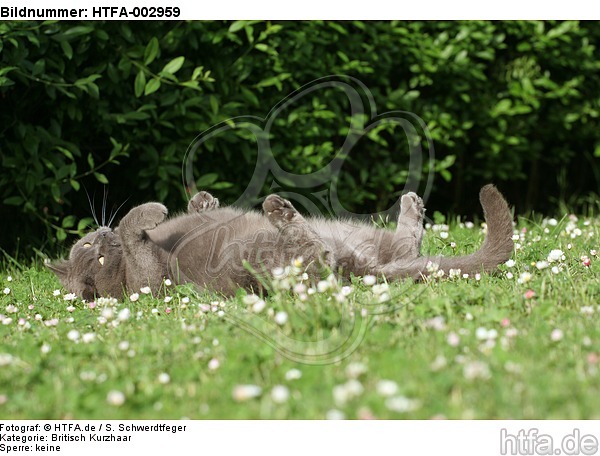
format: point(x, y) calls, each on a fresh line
point(512, 345)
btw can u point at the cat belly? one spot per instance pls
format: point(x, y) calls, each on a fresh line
point(212, 250)
point(362, 249)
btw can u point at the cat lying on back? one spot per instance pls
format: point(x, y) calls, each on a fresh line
point(217, 248)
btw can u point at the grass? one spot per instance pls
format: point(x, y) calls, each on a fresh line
point(492, 347)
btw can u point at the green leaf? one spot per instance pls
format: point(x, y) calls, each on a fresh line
point(14, 200)
point(214, 104)
point(502, 107)
point(5, 82)
point(136, 115)
point(274, 81)
point(521, 109)
point(338, 28)
point(197, 73)
point(151, 51)
point(76, 186)
point(68, 221)
point(78, 31)
point(67, 93)
point(236, 26)
point(66, 152)
point(93, 90)
point(207, 180)
point(446, 175)
point(101, 178)
point(207, 77)
point(55, 190)
point(174, 65)
point(67, 49)
point(447, 52)
point(152, 86)
point(61, 234)
point(563, 28)
point(6, 70)
point(84, 223)
point(39, 67)
point(221, 185)
point(343, 56)
point(87, 84)
point(249, 33)
point(250, 96)
point(102, 35)
point(140, 84)
point(90, 160)
point(461, 56)
point(168, 76)
point(411, 95)
point(191, 84)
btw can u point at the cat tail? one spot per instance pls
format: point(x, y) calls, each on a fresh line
point(496, 249)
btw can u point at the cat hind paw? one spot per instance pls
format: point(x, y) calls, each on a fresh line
point(279, 210)
point(202, 201)
point(412, 208)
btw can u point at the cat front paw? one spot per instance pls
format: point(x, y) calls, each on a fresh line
point(150, 215)
point(279, 211)
point(202, 201)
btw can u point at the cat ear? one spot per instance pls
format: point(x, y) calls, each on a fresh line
point(60, 268)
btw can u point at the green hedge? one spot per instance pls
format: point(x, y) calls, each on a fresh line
point(88, 104)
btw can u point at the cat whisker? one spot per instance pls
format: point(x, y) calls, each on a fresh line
point(92, 207)
point(104, 197)
point(112, 217)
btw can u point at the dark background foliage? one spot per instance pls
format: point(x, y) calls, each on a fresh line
point(89, 104)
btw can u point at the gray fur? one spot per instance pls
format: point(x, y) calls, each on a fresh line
point(222, 249)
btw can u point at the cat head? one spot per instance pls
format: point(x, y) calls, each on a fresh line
point(95, 266)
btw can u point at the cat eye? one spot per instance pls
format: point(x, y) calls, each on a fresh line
point(87, 244)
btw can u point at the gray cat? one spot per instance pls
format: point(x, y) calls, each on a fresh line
point(222, 249)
